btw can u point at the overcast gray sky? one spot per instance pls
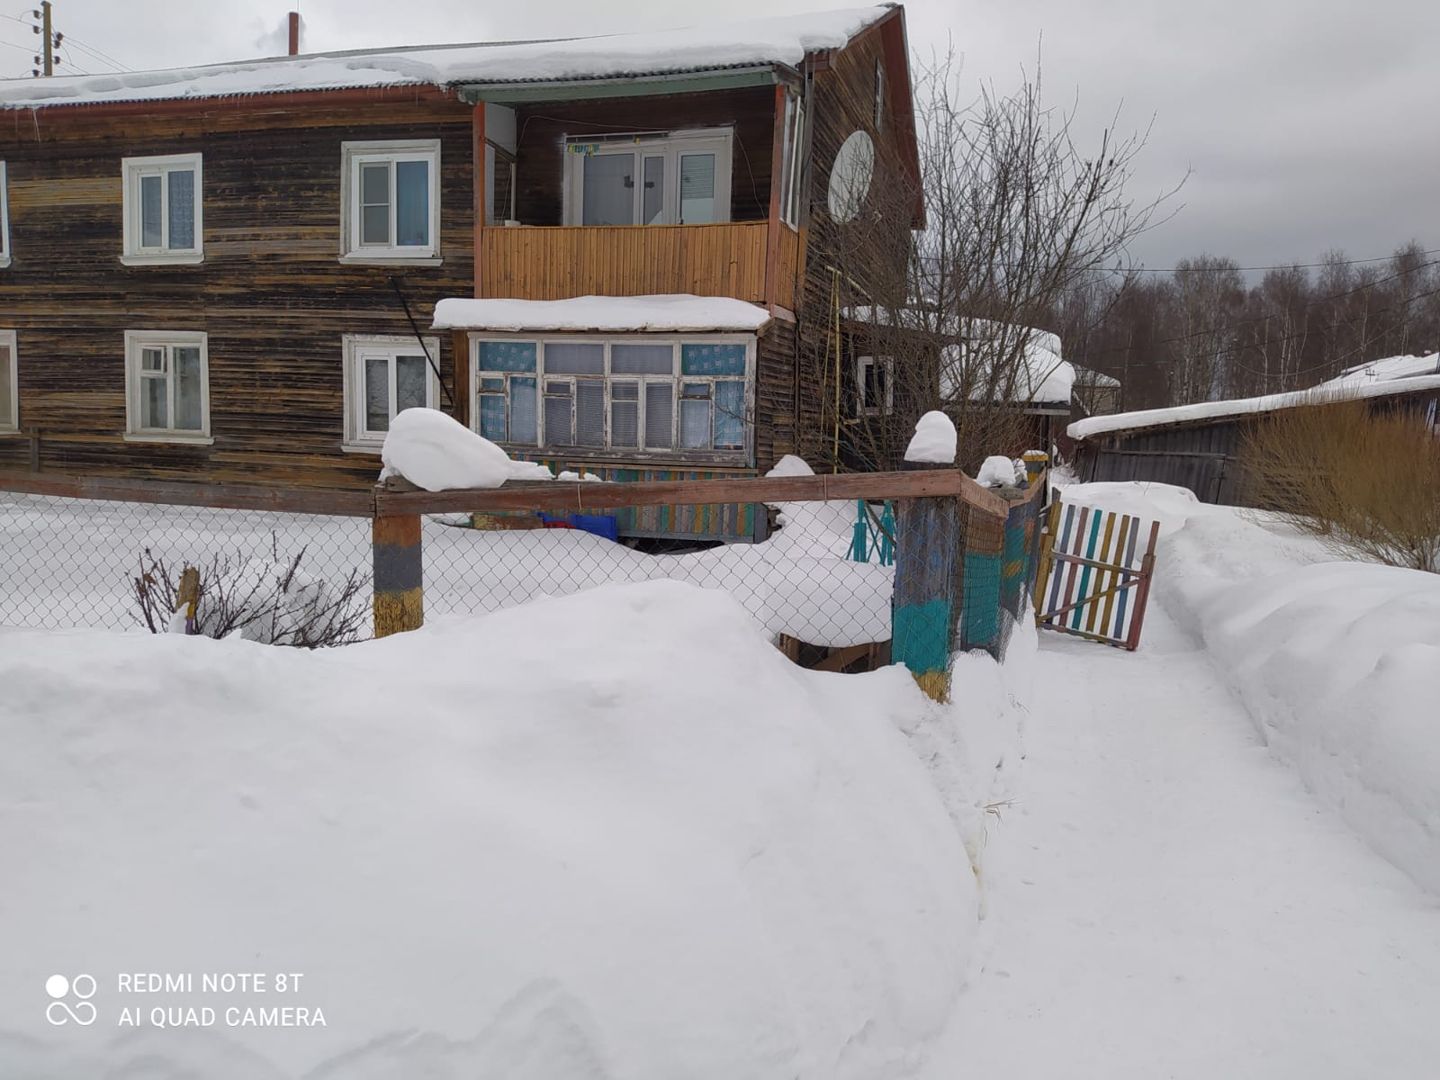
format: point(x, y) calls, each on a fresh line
point(1305, 124)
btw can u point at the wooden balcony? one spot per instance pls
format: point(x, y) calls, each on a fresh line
point(556, 262)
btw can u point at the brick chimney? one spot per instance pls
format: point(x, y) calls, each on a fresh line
point(294, 33)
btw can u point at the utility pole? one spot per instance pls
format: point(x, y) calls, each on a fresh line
point(46, 61)
point(47, 34)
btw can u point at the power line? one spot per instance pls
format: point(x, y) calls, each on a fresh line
point(1247, 269)
point(98, 54)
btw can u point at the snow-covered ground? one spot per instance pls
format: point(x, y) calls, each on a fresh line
point(609, 835)
point(1165, 896)
point(616, 834)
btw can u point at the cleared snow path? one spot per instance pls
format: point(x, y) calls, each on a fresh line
point(1166, 900)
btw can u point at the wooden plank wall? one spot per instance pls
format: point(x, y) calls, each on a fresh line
point(542, 128)
point(271, 293)
point(558, 262)
point(869, 250)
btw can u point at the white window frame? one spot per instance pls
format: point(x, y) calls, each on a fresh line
point(676, 380)
point(355, 154)
point(864, 407)
point(792, 160)
point(8, 341)
point(132, 169)
point(136, 341)
point(670, 146)
point(357, 348)
point(4, 217)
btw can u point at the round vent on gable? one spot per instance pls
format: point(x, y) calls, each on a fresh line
point(850, 176)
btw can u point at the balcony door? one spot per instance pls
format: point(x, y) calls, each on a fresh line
point(679, 179)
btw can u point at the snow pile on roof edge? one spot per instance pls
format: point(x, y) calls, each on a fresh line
point(668, 312)
point(782, 39)
point(1324, 394)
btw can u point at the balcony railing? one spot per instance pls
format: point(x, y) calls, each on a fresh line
point(555, 262)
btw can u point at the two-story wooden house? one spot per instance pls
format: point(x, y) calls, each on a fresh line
point(235, 272)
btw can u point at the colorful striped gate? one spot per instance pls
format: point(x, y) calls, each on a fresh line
point(1094, 578)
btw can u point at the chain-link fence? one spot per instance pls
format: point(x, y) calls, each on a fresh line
point(801, 582)
point(824, 579)
point(71, 562)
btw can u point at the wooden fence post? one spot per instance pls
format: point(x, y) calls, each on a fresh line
point(398, 567)
point(923, 609)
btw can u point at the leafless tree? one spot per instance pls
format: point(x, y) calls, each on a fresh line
point(1018, 216)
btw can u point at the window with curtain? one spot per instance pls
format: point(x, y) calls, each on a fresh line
point(383, 377)
point(393, 194)
point(167, 382)
point(649, 179)
point(614, 395)
point(161, 204)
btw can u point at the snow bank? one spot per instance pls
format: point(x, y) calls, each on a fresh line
point(614, 835)
point(438, 453)
point(783, 39)
point(934, 439)
point(672, 313)
point(1338, 663)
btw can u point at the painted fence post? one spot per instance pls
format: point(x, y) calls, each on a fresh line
point(982, 574)
point(398, 566)
point(923, 609)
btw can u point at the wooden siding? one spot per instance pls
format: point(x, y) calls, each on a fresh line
point(558, 262)
point(271, 293)
point(542, 128)
point(857, 262)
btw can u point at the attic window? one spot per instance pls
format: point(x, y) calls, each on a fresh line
point(678, 179)
point(875, 385)
point(879, 96)
point(162, 210)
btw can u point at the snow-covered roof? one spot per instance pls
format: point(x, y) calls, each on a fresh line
point(783, 39)
point(1045, 376)
point(1393, 367)
point(1209, 410)
point(1090, 377)
point(673, 313)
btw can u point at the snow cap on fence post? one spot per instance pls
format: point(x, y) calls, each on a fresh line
point(934, 440)
point(928, 538)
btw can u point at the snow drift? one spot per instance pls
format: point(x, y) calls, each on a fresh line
point(1338, 663)
point(610, 835)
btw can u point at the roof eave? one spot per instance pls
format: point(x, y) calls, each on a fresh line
point(614, 86)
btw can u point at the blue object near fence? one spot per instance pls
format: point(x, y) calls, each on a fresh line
point(870, 537)
point(598, 524)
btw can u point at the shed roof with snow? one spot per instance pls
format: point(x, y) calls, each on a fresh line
point(1394, 376)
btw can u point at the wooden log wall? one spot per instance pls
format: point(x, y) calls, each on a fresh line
point(868, 251)
point(271, 293)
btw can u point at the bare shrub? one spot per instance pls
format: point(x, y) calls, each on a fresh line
point(1367, 482)
point(270, 600)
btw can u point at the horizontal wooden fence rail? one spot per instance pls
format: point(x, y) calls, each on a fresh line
point(395, 498)
point(177, 493)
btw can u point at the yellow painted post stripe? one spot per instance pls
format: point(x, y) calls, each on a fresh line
point(1118, 557)
point(1100, 574)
